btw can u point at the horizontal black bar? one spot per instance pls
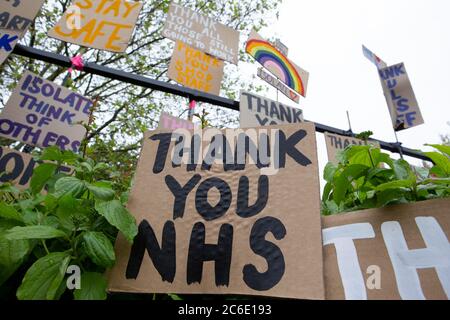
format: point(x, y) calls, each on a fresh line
point(181, 91)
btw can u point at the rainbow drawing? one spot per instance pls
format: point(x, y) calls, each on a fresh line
point(277, 63)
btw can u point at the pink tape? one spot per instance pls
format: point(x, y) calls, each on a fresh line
point(192, 104)
point(77, 63)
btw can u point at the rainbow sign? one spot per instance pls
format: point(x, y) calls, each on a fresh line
point(277, 63)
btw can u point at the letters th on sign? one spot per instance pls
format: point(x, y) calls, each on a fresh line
point(42, 114)
point(397, 252)
point(402, 103)
point(170, 122)
point(212, 221)
point(257, 111)
point(195, 69)
point(100, 24)
point(202, 33)
point(336, 143)
point(15, 18)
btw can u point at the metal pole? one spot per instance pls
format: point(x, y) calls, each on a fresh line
point(179, 91)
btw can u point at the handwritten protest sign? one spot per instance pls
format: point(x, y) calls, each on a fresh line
point(257, 111)
point(402, 103)
point(195, 69)
point(15, 18)
point(277, 63)
point(202, 33)
point(100, 24)
point(41, 113)
point(17, 167)
point(397, 252)
point(229, 218)
point(337, 143)
point(169, 122)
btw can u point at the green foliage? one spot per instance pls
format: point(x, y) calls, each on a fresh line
point(63, 219)
point(367, 178)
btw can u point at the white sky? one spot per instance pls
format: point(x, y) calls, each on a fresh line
point(325, 37)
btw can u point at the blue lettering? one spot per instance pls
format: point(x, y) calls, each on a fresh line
point(5, 42)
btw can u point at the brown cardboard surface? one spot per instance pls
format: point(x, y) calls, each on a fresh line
point(373, 251)
point(42, 113)
point(16, 17)
point(256, 110)
point(104, 25)
point(202, 33)
point(293, 199)
point(401, 100)
point(337, 143)
point(195, 69)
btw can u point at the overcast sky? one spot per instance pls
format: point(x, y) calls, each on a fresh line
point(325, 37)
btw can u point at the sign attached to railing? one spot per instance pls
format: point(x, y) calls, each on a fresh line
point(222, 215)
point(105, 25)
point(41, 113)
point(257, 111)
point(15, 18)
point(202, 33)
point(336, 143)
point(195, 69)
point(397, 252)
point(170, 122)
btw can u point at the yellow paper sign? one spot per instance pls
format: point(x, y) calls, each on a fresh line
point(100, 24)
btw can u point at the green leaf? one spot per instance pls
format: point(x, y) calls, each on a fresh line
point(34, 232)
point(118, 216)
point(101, 193)
point(70, 185)
point(99, 249)
point(442, 148)
point(329, 171)
point(12, 253)
point(41, 174)
point(52, 153)
point(174, 297)
point(43, 279)
point(403, 170)
point(441, 161)
point(93, 287)
point(397, 184)
point(388, 196)
point(9, 212)
point(342, 183)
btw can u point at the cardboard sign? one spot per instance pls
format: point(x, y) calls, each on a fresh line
point(402, 103)
point(17, 167)
point(277, 63)
point(337, 143)
point(202, 33)
point(170, 122)
point(15, 18)
point(42, 113)
point(227, 225)
point(397, 252)
point(195, 69)
point(257, 111)
point(278, 85)
point(100, 24)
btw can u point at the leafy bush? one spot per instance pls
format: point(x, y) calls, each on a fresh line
point(62, 220)
point(366, 178)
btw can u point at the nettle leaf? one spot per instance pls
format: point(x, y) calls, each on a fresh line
point(118, 216)
point(101, 193)
point(12, 253)
point(34, 232)
point(70, 185)
point(41, 175)
point(9, 212)
point(397, 184)
point(99, 249)
point(441, 161)
point(93, 287)
point(442, 148)
point(43, 280)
